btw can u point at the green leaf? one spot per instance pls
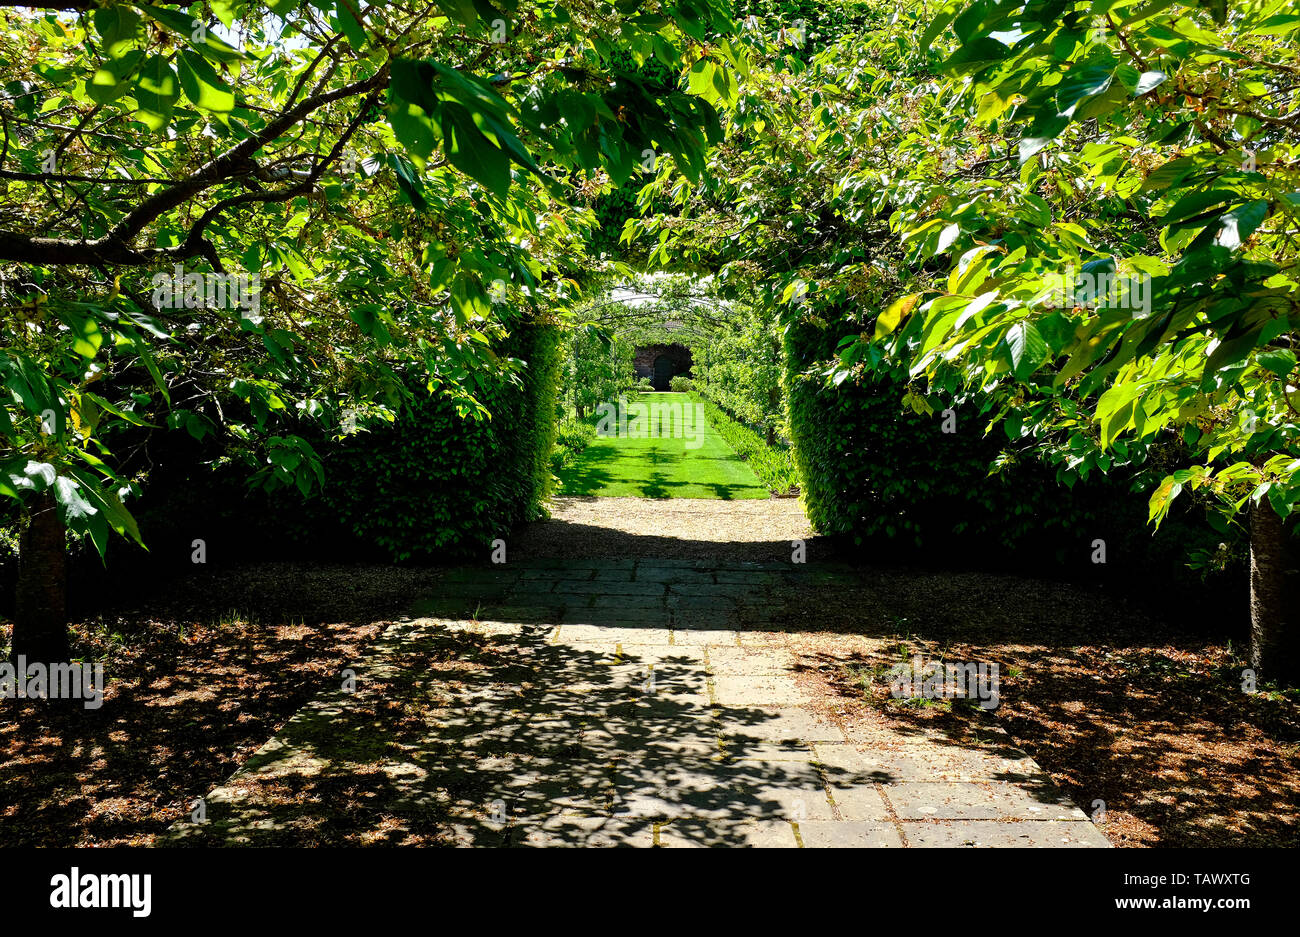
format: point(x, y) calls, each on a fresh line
point(946, 237)
point(353, 28)
point(1281, 361)
point(1148, 81)
point(116, 411)
point(1030, 145)
point(468, 299)
point(1079, 84)
point(156, 91)
point(202, 85)
point(1238, 225)
point(87, 338)
point(1026, 348)
point(110, 81)
point(1115, 410)
point(119, 26)
point(195, 32)
point(976, 56)
point(888, 320)
point(1170, 174)
point(471, 152)
point(1162, 498)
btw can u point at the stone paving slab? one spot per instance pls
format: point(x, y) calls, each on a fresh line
point(760, 689)
point(637, 702)
point(587, 832)
point(912, 760)
point(697, 834)
point(745, 660)
point(842, 834)
point(979, 800)
point(778, 724)
point(762, 638)
point(1010, 834)
point(703, 637)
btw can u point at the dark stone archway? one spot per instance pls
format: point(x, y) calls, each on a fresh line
point(661, 363)
point(663, 372)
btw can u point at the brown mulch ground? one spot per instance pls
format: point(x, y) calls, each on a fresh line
point(213, 668)
point(1115, 704)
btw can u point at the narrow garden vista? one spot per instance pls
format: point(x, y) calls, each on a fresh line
point(677, 454)
point(659, 424)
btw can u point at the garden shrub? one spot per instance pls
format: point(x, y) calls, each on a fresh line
point(681, 384)
point(883, 474)
point(431, 485)
point(571, 437)
point(595, 369)
point(436, 483)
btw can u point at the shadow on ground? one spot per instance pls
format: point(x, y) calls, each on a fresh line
point(474, 739)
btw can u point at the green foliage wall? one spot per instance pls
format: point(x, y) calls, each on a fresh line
point(433, 484)
point(739, 369)
point(594, 369)
point(886, 475)
point(436, 483)
point(869, 467)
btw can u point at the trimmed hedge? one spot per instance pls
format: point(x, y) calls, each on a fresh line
point(886, 476)
point(871, 468)
point(739, 369)
point(431, 485)
point(435, 483)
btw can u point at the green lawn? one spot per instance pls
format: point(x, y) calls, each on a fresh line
point(662, 467)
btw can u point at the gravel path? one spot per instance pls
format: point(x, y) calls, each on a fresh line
point(594, 528)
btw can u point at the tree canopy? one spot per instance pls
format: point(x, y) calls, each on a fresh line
point(1075, 218)
point(390, 183)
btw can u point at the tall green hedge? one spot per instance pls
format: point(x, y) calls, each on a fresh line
point(884, 475)
point(869, 467)
point(436, 483)
point(431, 485)
point(739, 369)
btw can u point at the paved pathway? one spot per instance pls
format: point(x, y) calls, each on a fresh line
point(633, 701)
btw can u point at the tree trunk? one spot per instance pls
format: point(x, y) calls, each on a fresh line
point(1271, 646)
point(40, 619)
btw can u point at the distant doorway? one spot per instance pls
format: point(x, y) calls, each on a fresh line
point(660, 363)
point(664, 369)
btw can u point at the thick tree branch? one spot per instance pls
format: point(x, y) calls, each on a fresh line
point(115, 247)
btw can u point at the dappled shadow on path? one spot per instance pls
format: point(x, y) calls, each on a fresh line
point(487, 726)
point(1136, 717)
point(205, 673)
point(638, 702)
point(456, 737)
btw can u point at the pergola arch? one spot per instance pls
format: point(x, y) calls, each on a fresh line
point(634, 311)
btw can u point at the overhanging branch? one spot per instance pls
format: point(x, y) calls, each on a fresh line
point(115, 247)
